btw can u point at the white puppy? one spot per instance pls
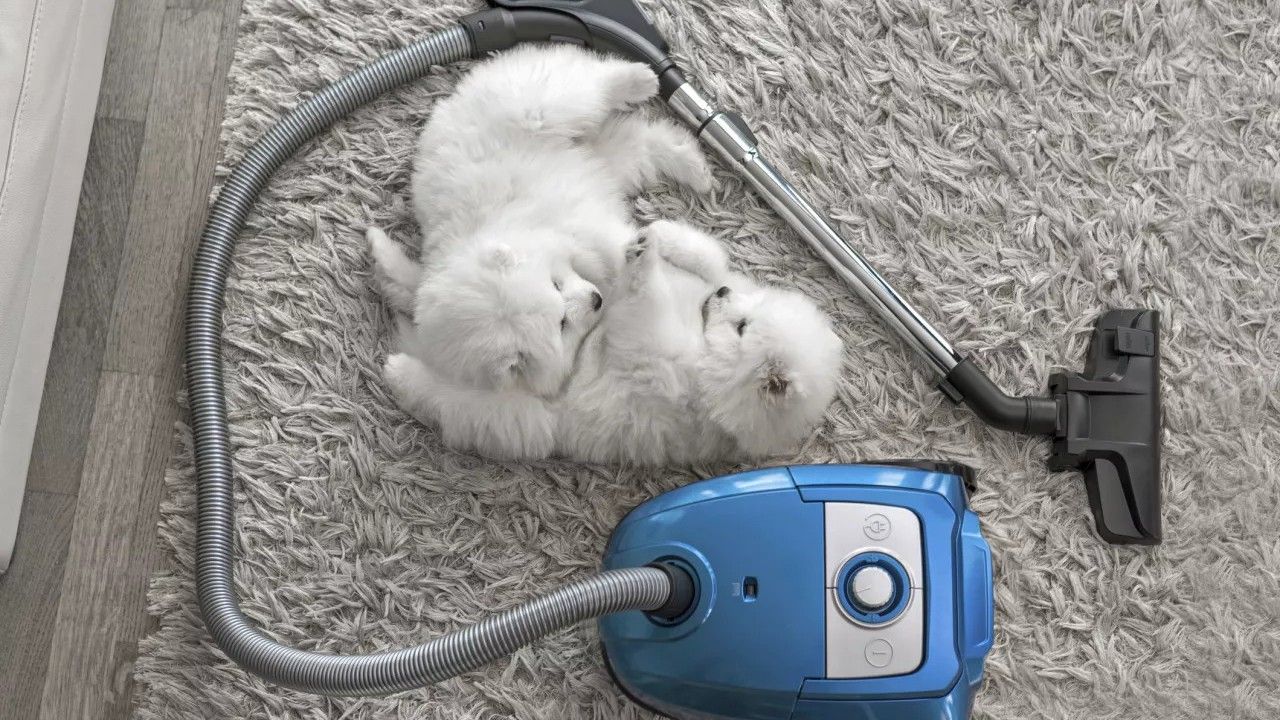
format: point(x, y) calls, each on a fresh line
point(694, 363)
point(520, 185)
point(690, 363)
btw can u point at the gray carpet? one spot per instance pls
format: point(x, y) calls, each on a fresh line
point(1015, 167)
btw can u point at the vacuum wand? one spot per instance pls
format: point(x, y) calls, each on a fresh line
point(1104, 422)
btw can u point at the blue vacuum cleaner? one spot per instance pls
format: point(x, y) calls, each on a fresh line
point(815, 592)
point(802, 592)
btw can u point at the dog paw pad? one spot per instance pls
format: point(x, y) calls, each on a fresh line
point(638, 247)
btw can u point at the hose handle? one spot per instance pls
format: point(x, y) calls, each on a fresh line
point(613, 26)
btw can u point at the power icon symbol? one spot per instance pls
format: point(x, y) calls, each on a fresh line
point(877, 527)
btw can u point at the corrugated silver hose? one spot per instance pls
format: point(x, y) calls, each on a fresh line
point(380, 673)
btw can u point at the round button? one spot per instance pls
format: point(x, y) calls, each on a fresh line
point(878, 653)
point(872, 587)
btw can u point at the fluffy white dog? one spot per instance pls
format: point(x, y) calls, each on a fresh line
point(520, 185)
point(690, 363)
point(695, 363)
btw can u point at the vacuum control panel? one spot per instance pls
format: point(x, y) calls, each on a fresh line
point(822, 592)
point(875, 583)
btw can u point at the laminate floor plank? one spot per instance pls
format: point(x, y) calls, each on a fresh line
point(175, 175)
point(71, 382)
point(99, 608)
point(131, 59)
point(29, 593)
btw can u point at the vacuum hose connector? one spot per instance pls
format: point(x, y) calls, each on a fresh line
point(1028, 415)
point(682, 595)
point(614, 591)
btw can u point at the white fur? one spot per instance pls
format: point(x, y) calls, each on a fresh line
point(666, 376)
point(520, 185)
point(669, 377)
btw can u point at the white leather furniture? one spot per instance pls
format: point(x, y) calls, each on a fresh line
point(51, 57)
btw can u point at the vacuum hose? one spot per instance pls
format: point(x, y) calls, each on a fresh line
point(646, 588)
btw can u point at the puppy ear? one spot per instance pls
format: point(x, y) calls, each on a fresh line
point(776, 382)
point(499, 257)
point(507, 369)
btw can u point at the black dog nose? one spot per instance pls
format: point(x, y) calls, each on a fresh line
point(596, 301)
point(724, 290)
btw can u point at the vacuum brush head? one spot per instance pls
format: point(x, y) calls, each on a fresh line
point(1109, 425)
point(1105, 421)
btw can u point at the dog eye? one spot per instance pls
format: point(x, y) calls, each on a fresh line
point(557, 284)
point(742, 325)
point(564, 322)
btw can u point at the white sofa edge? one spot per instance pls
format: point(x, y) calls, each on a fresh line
point(49, 140)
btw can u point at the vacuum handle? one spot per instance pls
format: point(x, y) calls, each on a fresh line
point(729, 135)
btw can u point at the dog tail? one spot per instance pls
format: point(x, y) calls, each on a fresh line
point(397, 276)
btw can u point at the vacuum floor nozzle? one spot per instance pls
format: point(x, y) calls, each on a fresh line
point(1109, 427)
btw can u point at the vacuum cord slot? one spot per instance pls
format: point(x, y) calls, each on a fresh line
point(645, 588)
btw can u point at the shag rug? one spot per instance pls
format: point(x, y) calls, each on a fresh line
point(1015, 168)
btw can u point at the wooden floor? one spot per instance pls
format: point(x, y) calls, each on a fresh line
point(72, 605)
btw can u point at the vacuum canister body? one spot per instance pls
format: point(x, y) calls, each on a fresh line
point(822, 591)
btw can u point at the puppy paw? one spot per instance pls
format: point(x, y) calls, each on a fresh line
point(690, 249)
point(397, 276)
point(637, 247)
point(632, 84)
point(700, 179)
point(398, 372)
point(691, 168)
point(641, 262)
point(669, 238)
point(662, 232)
